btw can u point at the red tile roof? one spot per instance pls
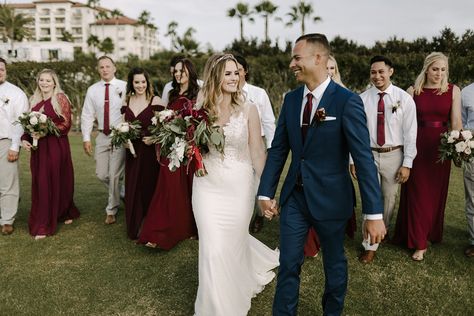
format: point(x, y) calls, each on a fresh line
point(123, 20)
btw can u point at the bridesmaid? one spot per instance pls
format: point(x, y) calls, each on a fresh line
point(423, 197)
point(141, 173)
point(170, 217)
point(52, 185)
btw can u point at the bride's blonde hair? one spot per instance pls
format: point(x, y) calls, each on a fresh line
point(211, 92)
point(37, 97)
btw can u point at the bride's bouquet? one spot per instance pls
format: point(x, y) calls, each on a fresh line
point(124, 133)
point(457, 146)
point(38, 123)
point(183, 136)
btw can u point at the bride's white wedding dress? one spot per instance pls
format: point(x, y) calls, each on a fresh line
point(233, 265)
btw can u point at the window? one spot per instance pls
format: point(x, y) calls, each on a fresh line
point(60, 20)
point(44, 20)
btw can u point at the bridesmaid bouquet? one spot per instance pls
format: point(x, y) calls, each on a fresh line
point(457, 146)
point(184, 135)
point(124, 133)
point(39, 123)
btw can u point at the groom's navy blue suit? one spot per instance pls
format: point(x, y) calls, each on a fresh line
point(324, 200)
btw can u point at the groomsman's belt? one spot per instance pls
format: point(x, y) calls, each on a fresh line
point(386, 149)
point(102, 131)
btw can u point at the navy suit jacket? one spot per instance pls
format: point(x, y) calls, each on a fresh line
point(323, 159)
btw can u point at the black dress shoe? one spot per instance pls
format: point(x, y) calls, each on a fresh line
point(257, 224)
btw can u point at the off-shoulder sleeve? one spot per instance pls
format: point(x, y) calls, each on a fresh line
point(65, 123)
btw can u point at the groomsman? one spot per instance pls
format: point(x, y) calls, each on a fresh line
point(13, 102)
point(259, 97)
point(467, 99)
point(391, 120)
point(103, 102)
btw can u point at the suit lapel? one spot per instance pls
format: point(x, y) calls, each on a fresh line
point(326, 102)
point(295, 116)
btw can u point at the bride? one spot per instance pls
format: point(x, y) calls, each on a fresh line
point(233, 265)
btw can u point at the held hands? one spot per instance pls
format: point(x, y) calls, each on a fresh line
point(268, 208)
point(87, 148)
point(12, 155)
point(26, 145)
point(374, 231)
point(402, 175)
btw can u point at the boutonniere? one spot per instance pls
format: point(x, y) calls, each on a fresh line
point(320, 115)
point(119, 92)
point(5, 100)
point(395, 106)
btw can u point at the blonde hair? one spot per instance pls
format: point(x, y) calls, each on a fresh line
point(37, 96)
point(421, 79)
point(337, 75)
point(211, 92)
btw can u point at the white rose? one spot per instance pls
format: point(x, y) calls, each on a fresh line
point(471, 143)
point(33, 120)
point(165, 114)
point(454, 134)
point(467, 135)
point(154, 120)
point(43, 118)
point(124, 128)
point(467, 151)
point(451, 139)
point(460, 147)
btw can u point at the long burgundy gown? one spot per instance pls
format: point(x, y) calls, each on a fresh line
point(423, 197)
point(52, 173)
point(170, 218)
point(141, 173)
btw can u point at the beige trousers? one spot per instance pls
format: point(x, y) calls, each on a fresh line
point(110, 165)
point(387, 166)
point(9, 185)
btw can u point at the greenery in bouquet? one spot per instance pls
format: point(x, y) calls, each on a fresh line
point(184, 135)
point(457, 146)
point(37, 122)
point(124, 133)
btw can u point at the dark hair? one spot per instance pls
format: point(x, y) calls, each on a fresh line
point(316, 38)
point(131, 89)
point(241, 60)
point(175, 59)
point(380, 58)
point(3, 61)
point(105, 57)
point(193, 86)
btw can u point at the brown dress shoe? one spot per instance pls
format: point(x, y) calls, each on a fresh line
point(367, 256)
point(7, 229)
point(469, 251)
point(257, 224)
point(110, 219)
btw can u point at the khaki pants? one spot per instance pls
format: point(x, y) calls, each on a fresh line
point(9, 185)
point(110, 165)
point(469, 196)
point(387, 166)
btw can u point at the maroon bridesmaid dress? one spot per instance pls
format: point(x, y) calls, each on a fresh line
point(170, 218)
point(141, 173)
point(423, 197)
point(52, 173)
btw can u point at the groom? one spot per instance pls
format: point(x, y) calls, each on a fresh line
point(320, 123)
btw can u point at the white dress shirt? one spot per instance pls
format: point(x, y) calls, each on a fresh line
point(166, 91)
point(400, 120)
point(259, 97)
point(317, 95)
point(13, 103)
point(94, 106)
point(467, 99)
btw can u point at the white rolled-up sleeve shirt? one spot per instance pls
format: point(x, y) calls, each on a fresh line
point(467, 102)
point(94, 106)
point(13, 103)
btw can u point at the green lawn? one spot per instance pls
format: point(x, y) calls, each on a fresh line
point(89, 268)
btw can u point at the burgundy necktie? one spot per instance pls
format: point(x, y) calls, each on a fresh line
point(106, 129)
point(307, 115)
point(381, 120)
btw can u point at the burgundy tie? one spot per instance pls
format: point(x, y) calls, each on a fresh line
point(106, 129)
point(307, 115)
point(381, 120)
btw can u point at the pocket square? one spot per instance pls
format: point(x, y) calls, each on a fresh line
point(330, 118)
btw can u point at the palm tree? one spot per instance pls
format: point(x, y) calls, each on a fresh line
point(300, 12)
point(145, 19)
point(93, 41)
point(172, 26)
point(241, 11)
point(93, 3)
point(266, 9)
point(102, 15)
point(107, 46)
point(116, 14)
point(187, 44)
point(12, 25)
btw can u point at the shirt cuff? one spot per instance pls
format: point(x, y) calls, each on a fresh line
point(86, 138)
point(372, 217)
point(263, 198)
point(407, 162)
point(15, 147)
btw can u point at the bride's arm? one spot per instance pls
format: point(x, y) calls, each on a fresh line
point(256, 146)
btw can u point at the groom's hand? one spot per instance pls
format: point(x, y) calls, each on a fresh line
point(268, 208)
point(376, 230)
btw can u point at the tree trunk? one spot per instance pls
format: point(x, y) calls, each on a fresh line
point(242, 29)
point(266, 28)
point(302, 25)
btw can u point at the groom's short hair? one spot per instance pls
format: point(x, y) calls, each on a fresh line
point(316, 39)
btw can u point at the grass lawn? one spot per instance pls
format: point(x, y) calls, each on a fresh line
point(89, 268)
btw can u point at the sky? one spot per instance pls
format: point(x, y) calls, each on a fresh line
point(364, 21)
